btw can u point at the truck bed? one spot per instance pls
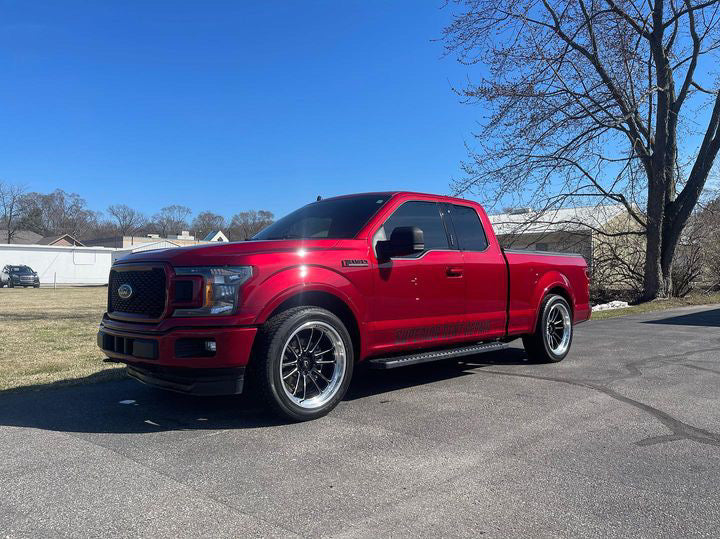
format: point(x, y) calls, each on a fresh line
point(534, 273)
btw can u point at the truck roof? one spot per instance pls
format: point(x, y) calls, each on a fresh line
point(404, 193)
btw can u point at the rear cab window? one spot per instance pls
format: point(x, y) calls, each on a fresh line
point(468, 228)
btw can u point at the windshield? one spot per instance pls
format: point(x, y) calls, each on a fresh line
point(23, 270)
point(333, 218)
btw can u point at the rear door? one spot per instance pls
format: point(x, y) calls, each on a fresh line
point(485, 273)
point(419, 300)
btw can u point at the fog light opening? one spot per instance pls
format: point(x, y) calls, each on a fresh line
point(210, 346)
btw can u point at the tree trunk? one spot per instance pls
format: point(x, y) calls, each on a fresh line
point(653, 278)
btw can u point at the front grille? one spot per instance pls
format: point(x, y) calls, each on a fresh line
point(148, 292)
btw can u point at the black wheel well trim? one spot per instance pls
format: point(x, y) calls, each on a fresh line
point(329, 302)
point(563, 293)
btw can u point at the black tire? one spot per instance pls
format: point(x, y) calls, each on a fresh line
point(11, 285)
point(266, 371)
point(36, 286)
point(540, 344)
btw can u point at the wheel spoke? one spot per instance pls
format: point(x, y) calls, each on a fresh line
point(297, 385)
point(321, 375)
point(309, 341)
point(288, 375)
point(325, 362)
point(317, 354)
point(312, 379)
point(312, 351)
point(304, 386)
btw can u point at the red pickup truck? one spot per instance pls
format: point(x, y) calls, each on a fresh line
point(390, 279)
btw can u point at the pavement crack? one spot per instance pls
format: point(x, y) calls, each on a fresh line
point(680, 430)
point(704, 369)
point(634, 367)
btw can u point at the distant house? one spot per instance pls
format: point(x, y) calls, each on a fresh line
point(64, 239)
point(596, 232)
point(27, 237)
point(184, 239)
point(20, 237)
point(216, 235)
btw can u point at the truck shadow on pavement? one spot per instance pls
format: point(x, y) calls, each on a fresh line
point(126, 406)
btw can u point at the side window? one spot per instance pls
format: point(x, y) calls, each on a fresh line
point(426, 216)
point(468, 228)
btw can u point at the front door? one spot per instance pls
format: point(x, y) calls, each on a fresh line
point(419, 300)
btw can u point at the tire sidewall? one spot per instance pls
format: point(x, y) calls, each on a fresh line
point(273, 359)
point(553, 300)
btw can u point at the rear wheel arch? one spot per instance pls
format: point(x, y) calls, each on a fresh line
point(565, 294)
point(553, 282)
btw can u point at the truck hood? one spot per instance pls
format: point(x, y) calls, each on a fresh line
point(224, 253)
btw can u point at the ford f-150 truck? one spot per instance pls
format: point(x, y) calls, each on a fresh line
point(390, 279)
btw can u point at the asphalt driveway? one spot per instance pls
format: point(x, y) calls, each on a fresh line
point(621, 439)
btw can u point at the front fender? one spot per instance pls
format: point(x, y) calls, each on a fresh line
point(290, 282)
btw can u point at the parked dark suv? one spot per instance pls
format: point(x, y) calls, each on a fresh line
point(19, 276)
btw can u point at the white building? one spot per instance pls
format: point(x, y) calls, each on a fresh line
point(61, 265)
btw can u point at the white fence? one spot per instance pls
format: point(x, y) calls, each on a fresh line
point(66, 266)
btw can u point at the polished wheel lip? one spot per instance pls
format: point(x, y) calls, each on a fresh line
point(558, 329)
point(304, 368)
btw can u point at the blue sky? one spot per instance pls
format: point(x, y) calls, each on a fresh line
point(230, 105)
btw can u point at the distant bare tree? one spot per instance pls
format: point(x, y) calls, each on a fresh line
point(58, 213)
point(246, 224)
point(596, 99)
point(10, 208)
point(206, 222)
point(171, 219)
point(128, 220)
point(708, 226)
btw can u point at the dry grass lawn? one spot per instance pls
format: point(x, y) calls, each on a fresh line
point(697, 298)
point(49, 336)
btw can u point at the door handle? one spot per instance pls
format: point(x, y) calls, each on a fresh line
point(453, 271)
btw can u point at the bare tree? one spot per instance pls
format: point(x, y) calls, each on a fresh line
point(128, 220)
point(10, 208)
point(58, 213)
point(246, 224)
point(206, 222)
point(171, 219)
point(596, 99)
point(707, 227)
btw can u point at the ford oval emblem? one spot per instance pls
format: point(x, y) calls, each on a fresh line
point(125, 291)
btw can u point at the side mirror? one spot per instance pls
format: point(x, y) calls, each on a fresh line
point(404, 240)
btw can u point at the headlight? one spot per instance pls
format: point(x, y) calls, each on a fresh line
point(221, 289)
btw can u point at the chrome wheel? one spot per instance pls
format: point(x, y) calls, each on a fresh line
point(313, 364)
point(558, 329)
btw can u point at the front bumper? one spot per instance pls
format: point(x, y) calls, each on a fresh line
point(177, 359)
point(24, 282)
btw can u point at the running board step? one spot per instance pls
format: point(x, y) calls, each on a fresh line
point(437, 355)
